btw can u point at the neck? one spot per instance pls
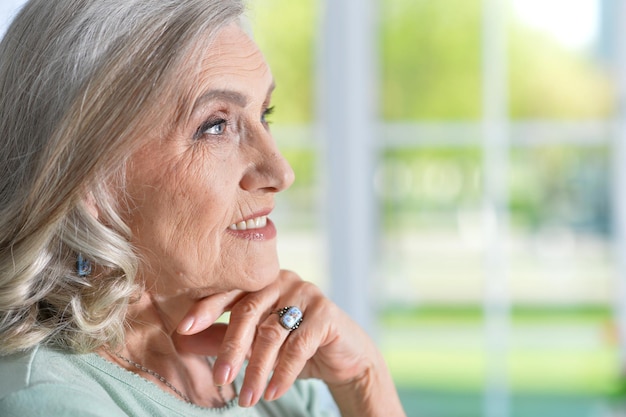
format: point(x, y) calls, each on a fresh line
point(152, 323)
point(150, 343)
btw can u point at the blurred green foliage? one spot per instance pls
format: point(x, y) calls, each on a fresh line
point(430, 59)
point(400, 317)
point(567, 186)
point(430, 63)
point(437, 180)
point(462, 362)
point(286, 31)
point(548, 81)
point(430, 69)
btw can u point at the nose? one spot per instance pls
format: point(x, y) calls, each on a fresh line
point(268, 170)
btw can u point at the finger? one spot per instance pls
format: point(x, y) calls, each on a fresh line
point(270, 336)
point(205, 343)
point(244, 319)
point(296, 351)
point(206, 311)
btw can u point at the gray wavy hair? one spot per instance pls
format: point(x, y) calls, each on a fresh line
point(81, 83)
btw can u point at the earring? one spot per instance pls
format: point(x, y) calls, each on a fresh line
point(83, 266)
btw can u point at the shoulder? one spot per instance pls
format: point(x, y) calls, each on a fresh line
point(42, 380)
point(39, 366)
point(46, 400)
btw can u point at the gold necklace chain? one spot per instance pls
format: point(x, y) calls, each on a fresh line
point(165, 381)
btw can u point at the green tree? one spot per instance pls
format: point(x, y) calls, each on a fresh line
point(286, 31)
point(430, 63)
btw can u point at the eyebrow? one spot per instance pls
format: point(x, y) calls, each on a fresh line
point(230, 96)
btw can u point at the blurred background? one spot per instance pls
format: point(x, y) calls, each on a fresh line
point(461, 172)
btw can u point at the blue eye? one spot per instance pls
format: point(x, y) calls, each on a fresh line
point(212, 127)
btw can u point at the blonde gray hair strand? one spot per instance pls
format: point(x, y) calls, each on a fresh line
point(80, 83)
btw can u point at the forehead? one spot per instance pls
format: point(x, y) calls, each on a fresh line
point(233, 57)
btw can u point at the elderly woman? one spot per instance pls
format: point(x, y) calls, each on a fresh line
point(138, 176)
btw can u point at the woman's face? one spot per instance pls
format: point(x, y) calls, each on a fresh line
point(200, 198)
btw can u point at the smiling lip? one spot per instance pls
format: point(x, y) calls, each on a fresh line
point(258, 228)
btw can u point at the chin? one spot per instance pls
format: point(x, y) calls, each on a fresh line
point(261, 275)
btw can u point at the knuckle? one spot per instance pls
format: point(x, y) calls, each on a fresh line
point(299, 347)
point(269, 333)
point(256, 371)
point(245, 311)
point(322, 303)
point(311, 289)
point(287, 371)
point(231, 347)
point(290, 275)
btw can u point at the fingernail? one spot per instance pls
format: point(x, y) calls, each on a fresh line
point(245, 397)
point(221, 373)
point(185, 325)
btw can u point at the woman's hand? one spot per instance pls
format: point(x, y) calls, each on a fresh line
point(328, 345)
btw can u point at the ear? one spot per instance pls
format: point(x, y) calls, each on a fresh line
point(90, 204)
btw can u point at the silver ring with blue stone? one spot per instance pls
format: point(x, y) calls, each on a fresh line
point(290, 317)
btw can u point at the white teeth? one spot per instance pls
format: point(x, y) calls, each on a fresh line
point(261, 222)
point(255, 223)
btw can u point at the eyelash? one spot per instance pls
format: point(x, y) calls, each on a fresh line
point(268, 112)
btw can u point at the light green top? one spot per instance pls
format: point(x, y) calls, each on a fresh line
point(47, 383)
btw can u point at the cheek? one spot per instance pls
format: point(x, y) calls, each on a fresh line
point(185, 218)
point(181, 217)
